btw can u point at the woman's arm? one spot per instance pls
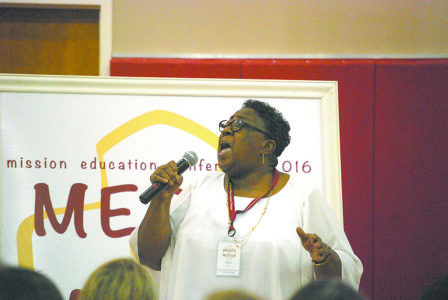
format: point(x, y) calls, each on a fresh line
point(154, 232)
point(319, 218)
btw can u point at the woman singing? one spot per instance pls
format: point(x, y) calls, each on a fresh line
point(249, 227)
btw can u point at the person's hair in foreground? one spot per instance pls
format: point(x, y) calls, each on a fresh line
point(18, 283)
point(437, 290)
point(231, 295)
point(122, 279)
point(327, 289)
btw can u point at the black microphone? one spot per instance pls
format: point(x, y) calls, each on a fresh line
point(189, 159)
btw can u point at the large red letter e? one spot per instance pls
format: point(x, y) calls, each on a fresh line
point(107, 213)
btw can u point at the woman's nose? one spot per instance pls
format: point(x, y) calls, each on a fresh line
point(226, 130)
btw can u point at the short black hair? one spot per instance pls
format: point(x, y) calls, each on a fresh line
point(22, 283)
point(437, 290)
point(274, 122)
point(327, 289)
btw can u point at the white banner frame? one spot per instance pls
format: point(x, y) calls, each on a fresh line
point(325, 92)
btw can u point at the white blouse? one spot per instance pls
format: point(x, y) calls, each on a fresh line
point(273, 262)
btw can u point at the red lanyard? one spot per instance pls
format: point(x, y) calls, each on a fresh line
point(231, 203)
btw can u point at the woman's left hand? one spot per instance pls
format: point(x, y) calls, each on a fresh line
point(327, 263)
point(312, 243)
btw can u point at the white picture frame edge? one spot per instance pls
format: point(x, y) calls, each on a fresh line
point(324, 91)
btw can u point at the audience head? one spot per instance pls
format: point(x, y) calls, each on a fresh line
point(231, 295)
point(119, 279)
point(327, 289)
point(18, 283)
point(436, 291)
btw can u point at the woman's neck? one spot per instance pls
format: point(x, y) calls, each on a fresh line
point(254, 184)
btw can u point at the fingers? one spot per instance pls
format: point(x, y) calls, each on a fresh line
point(312, 239)
point(166, 174)
point(319, 251)
point(311, 242)
point(316, 242)
point(303, 236)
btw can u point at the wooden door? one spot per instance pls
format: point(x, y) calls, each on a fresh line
point(52, 41)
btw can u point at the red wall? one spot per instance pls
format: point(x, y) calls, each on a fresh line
point(394, 141)
point(411, 176)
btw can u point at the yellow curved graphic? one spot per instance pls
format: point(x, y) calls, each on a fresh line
point(26, 228)
point(149, 119)
point(25, 236)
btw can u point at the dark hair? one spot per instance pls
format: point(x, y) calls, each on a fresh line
point(274, 122)
point(437, 290)
point(25, 284)
point(327, 289)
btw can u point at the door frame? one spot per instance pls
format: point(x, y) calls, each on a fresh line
point(105, 22)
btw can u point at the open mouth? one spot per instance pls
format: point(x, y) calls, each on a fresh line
point(224, 146)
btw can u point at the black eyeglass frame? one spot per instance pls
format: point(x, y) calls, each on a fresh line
point(235, 126)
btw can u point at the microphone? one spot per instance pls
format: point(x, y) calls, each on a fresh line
point(189, 159)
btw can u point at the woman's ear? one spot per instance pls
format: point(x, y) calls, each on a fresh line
point(268, 147)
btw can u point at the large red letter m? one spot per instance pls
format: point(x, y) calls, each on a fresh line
point(75, 206)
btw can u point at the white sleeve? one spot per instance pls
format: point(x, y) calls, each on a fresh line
point(320, 219)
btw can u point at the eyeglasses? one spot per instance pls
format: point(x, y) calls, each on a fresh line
point(237, 124)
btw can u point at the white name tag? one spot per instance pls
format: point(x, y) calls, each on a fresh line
point(228, 258)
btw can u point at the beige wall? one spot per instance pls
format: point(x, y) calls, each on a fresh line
point(276, 28)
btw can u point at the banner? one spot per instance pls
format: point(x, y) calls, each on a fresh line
point(76, 155)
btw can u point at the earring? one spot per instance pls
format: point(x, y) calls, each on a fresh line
point(262, 159)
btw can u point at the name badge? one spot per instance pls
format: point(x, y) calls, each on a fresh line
point(228, 258)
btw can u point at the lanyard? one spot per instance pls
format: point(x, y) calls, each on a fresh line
point(231, 203)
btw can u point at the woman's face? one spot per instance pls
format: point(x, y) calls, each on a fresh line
point(239, 152)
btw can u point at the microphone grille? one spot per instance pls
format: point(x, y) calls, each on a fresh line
point(191, 158)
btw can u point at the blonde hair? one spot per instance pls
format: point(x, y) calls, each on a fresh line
point(231, 295)
point(119, 279)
